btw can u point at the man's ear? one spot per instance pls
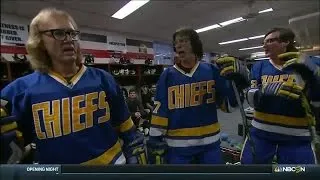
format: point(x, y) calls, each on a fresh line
point(285, 43)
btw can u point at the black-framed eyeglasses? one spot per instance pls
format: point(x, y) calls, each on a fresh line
point(61, 34)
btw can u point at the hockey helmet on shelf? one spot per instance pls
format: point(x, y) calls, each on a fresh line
point(123, 60)
point(89, 59)
point(22, 58)
point(153, 71)
point(132, 72)
point(126, 72)
point(148, 61)
point(147, 72)
point(115, 72)
point(121, 71)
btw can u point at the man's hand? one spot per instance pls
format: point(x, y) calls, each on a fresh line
point(232, 69)
point(301, 64)
point(285, 89)
point(137, 114)
point(11, 138)
point(135, 151)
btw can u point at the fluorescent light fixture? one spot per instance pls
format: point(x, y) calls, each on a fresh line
point(129, 8)
point(256, 37)
point(232, 21)
point(259, 59)
point(256, 47)
point(258, 55)
point(208, 28)
point(233, 41)
point(266, 10)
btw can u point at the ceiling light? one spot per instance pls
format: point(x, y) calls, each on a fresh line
point(256, 37)
point(256, 47)
point(234, 41)
point(208, 28)
point(259, 59)
point(266, 10)
point(129, 8)
point(258, 55)
point(232, 21)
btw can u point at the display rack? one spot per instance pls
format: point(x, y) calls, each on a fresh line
point(10, 70)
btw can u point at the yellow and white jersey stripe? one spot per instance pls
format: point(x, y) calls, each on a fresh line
point(114, 154)
point(196, 136)
point(281, 124)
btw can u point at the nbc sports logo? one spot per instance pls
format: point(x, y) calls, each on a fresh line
point(295, 169)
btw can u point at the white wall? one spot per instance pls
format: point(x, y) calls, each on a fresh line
point(84, 44)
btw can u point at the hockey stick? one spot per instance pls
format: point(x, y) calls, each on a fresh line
point(309, 116)
point(311, 125)
point(244, 121)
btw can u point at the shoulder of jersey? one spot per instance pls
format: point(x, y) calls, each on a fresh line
point(102, 75)
point(262, 63)
point(203, 64)
point(21, 84)
point(26, 81)
point(100, 72)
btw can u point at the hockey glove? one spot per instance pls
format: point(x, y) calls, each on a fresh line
point(232, 69)
point(301, 64)
point(11, 139)
point(135, 151)
point(157, 149)
point(285, 89)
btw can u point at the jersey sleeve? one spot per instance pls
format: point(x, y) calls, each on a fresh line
point(225, 96)
point(255, 78)
point(159, 120)
point(121, 119)
point(15, 94)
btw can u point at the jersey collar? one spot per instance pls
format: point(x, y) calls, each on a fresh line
point(275, 66)
point(73, 80)
point(190, 74)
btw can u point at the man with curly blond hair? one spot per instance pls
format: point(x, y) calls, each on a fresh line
point(73, 113)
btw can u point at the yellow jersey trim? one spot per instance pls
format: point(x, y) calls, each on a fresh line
point(280, 119)
point(73, 80)
point(126, 125)
point(9, 127)
point(106, 157)
point(159, 121)
point(196, 131)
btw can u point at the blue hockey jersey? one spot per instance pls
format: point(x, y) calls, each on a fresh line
point(75, 122)
point(276, 117)
point(185, 110)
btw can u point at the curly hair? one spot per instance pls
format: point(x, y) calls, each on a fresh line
point(40, 59)
point(196, 43)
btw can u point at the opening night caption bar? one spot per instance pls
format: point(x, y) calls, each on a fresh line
point(43, 168)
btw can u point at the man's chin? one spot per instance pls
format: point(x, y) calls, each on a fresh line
point(69, 58)
point(268, 55)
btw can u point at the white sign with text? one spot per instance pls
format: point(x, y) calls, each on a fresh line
point(13, 33)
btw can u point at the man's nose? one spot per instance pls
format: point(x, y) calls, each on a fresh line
point(178, 46)
point(68, 37)
point(264, 45)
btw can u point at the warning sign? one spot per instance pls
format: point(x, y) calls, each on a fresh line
point(12, 33)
